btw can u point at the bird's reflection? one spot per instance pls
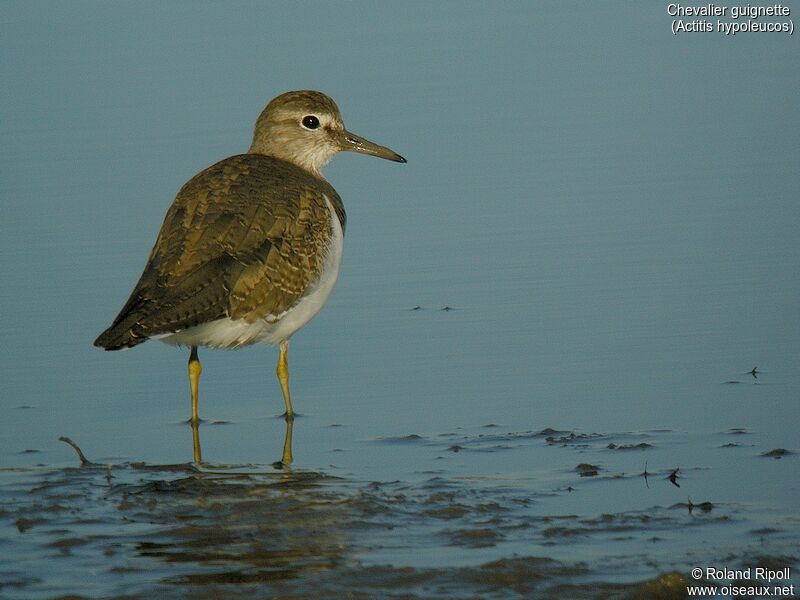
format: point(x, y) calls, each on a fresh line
point(286, 458)
point(283, 463)
point(198, 452)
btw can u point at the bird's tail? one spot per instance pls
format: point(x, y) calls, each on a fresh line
point(118, 337)
point(126, 331)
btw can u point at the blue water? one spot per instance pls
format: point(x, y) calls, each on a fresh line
point(610, 211)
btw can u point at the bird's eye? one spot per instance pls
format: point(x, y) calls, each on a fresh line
point(310, 122)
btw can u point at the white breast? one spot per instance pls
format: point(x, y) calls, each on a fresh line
point(228, 333)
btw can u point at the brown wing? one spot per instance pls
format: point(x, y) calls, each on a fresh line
point(244, 239)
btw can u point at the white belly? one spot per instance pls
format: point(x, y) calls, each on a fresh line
point(229, 333)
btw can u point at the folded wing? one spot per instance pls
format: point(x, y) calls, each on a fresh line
point(244, 239)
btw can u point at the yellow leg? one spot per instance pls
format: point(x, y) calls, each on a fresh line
point(282, 371)
point(194, 381)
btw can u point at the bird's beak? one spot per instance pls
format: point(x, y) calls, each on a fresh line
point(351, 142)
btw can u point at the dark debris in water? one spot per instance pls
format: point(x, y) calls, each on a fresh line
point(482, 537)
point(411, 438)
point(704, 506)
point(487, 439)
point(673, 477)
point(572, 438)
point(737, 431)
point(587, 470)
point(690, 506)
point(639, 446)
point(777, 453)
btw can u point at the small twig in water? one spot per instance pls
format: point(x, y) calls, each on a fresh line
point(85, 462)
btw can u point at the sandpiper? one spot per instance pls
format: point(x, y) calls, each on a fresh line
point(250, 249)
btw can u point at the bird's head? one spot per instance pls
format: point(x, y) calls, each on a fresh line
point(305, 128)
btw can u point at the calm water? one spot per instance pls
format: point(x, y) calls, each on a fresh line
point(610, 211)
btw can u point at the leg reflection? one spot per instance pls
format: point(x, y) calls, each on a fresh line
point(286, 459)
point(198, 454)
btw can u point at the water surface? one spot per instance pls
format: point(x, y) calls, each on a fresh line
point(609, 211)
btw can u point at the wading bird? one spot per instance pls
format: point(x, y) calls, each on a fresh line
point(250, 249)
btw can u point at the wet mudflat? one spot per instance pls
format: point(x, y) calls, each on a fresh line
point(230, 531)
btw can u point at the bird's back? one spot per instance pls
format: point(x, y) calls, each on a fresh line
point(244, 239)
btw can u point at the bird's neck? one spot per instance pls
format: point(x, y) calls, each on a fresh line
point(310, 159)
